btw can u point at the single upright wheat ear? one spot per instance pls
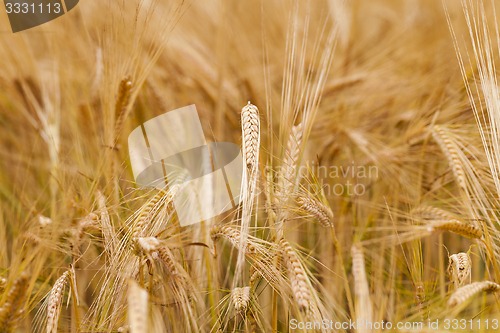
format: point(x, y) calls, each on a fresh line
point(459, 269)
point(55, 302)
point(457, 227)
point(452, 153)
point(137, 308)
point(462, 294)
point(9, 312)
point(122, 103)
point(290, 160)
point(240, 298)
point(320, 211)
point(297, 275)
point(250, 131)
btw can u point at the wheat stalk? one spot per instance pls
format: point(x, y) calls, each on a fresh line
point(55, 302)
point(462, 294)
point(297, 275)
point(137, 308)
point(317, 209)
point(457, 227)
point(459, 269)
point(250, 126)
point(9, 312)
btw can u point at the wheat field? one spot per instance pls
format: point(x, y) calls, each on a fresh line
point(370, 143)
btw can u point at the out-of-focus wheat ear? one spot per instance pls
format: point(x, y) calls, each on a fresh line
point(241, 299)
point(459, 269)
point(9, 312)
point(55, 302)
point(297, 276)
point(107, 228)
point(457, 227)
point(321, 212)
point(3, 282)
point(250, 127)
point(363, 303)
point(147, 245)
point(290, 160)
point(137, 308)
point(462, 294)
point(432, 213)
point(452, 154)
point(122, 104)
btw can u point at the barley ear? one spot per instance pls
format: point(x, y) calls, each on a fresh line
point(9, 312)
point(137, 308)
point(241, 299)
point(250, 126)
point(297, 276)
point(459, 269)
point(363, 303)
point(457, 227)
point(463, 294)
point(55, 302)
point(321, 212)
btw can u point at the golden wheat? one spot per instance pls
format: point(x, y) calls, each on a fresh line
point(462, 294)
point(55, 302)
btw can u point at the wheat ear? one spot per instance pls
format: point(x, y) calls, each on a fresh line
point(464, 293)
point(457, 227)
point(230, 234)
point(289, 168)
point(297, 275)
point(452, 153)
point(432, 213)
point(122, 103)
point(363, 303)
point(317, 209)
point(459, 269)
point(55, 302)
point(163, 198)
point(9, 312)
point(137, 308)
point(250, 126)
point(241, 299)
